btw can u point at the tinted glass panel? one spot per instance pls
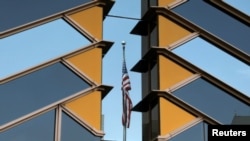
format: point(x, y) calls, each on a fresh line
point(40, 128)
point(145, 126)
point(212, 101)
point(15, 13)
point(38, 45)
point(218, 23)
point(195, 133)
point(243, 5)
point(72, 131)
point(155, 121)
point(217, 63)
point(36, 90)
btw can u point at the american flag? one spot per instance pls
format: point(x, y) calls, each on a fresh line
point(127, 103)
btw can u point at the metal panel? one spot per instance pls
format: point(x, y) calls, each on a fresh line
point(80, 107)
point(171, 73)
point(91, 69)
point(170, 112)
point(90, 20)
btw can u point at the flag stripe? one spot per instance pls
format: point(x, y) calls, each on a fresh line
point(127, 103)
point(126, 110)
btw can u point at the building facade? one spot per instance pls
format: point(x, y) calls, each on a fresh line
point(180, 98)
point(51, 69)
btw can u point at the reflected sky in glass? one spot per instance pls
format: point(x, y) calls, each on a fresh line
point(242, 5)
point(38, 45)
point(40, 128)
point(15, 13)
point(73, 131)
point(212, 100)
point(222, 25)
point(217, 63)
point(195, 133)
point(31, 92)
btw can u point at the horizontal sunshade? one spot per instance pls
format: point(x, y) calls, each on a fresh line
point(216, 22)
point(37, 90)
point(14, 13)
point(212, 101)
point(38, 45)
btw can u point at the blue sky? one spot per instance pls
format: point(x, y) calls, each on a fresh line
point(117, 30)
point(242, 5)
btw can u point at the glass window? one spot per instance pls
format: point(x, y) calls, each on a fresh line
point(146, 135)
point(219, 24)
point(36, 90)
point(243, 5)
point(212, 101)
point(195, 133)
point(153, 35)
point(217, 63)
point(16, 13)
point(73, 131)
point(155, 121)
point(40, 128)
point(38, 45)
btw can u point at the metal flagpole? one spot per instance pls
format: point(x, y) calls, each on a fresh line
point(124, 125)
point(124, 133)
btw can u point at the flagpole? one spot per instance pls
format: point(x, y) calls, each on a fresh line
point(124, 126)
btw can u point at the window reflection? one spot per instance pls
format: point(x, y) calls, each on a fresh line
point(216, 62)
point(17, 13)
point(146, 126)
point(40, 128)
point(195, 133)
point(37, 90)
point(73, 131)
point(212, 101)
point(220, 24)
point(155, 121)
point(151, 124)
point(243, 5)
point(38, 45)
